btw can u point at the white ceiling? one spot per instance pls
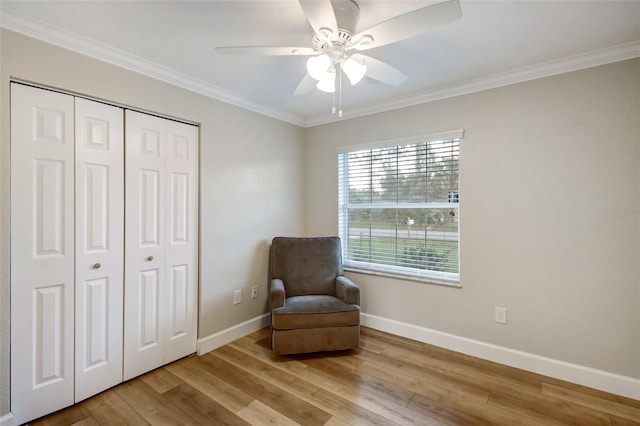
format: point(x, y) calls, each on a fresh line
point(494, 43)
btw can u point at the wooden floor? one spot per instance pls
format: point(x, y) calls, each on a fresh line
point(389, 380)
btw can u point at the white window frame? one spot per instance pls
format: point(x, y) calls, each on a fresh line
point(407, 273)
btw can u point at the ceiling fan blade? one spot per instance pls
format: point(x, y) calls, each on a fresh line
point(266, 50)
point(320, 14)
point(305, 86)
point(381, 71)
point(410, 24)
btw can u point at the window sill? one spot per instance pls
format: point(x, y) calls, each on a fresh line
point(427, 280)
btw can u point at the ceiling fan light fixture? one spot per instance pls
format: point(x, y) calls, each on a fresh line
point(327, 83)
point(354, 70)
point(318, 66)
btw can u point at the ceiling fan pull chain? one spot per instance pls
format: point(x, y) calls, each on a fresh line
point(333, 102)
point(340, 90)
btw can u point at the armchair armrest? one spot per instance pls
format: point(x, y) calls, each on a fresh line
point(347, 291)
point(276, 294)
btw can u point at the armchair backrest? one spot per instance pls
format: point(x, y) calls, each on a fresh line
point(307, 265)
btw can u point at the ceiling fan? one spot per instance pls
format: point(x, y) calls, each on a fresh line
point(334, 23)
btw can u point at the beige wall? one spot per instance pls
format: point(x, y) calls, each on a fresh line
point(250, 176)
point(543, 164)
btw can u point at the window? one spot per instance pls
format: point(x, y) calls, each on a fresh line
point(398, 207)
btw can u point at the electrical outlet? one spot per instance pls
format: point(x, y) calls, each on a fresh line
point(501, 315)
point(254, 292)
point(237, 297)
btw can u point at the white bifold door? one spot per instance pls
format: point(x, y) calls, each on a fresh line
point(67, 231)
point(161, 270)
point(42, 252)
point(99, 247)
point(93, 303)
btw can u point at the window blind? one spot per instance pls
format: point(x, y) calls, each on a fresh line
point(398, 208)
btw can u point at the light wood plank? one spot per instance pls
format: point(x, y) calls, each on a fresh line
point(334, 421)
point(257, 350)
point(546, 411)
point(615, 408)
point(382, 340)
point(388, 381)
point(619, 421)
point(425, 382)
point(259, 335)
point(389, 390)
point(296, 408)
point(454, 370)
point(359, 395)
point(64, 417)
point(108, 408)
point(161, 380)
point(89, 421)
point(152, 406)
point(191, 371)
point(466, 412)
point(368, 343)
point(259, 414)
point(201, 408)
point(308, 391)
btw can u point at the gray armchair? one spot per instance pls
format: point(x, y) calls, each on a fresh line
point(313, 306)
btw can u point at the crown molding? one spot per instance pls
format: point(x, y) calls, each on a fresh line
point(68, 40)
point(19, 23)
point(571, 63)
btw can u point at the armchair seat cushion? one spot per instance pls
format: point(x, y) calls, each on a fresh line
point(314, 311)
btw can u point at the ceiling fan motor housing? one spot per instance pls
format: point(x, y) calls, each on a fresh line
point(347, 13)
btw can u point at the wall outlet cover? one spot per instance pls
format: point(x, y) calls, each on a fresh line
point(501, 315)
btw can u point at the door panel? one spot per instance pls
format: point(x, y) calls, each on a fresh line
point(149, 208)
point(180, 208)
point(145, 235)
point(99, 246)
point(42, 252)
point(149, 309)
point(48, 311)
point(49, 205)
point(96, 197)
point(182, 247)
point(96, 336)
point(178, 302)
point(162, 245)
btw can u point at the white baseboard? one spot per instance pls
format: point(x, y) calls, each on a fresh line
point(586, 376)
point(230, 334)
point(7, 420)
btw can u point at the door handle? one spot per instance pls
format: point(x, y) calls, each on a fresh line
point(149, 258)
point(96, 266)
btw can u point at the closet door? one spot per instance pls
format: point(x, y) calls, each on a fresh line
point(181, 247)
point(144, 238)
point(161, 242)
point(99, 247)
point(42, 252)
